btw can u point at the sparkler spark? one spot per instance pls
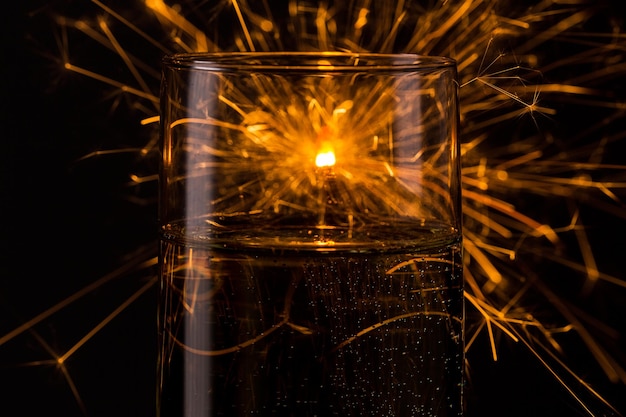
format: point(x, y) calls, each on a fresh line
point(325, 159)
point(515, 155)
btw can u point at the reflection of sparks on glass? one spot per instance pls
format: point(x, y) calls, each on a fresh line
point(282, 141)
point(495, 91)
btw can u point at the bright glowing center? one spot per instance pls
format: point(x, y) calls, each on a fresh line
point(325, 159)
point(325, 149)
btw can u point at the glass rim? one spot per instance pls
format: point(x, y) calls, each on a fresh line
point(306, 61)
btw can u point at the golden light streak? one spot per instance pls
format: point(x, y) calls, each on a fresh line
point(140, 180)
point(558, 377)
point(171, 16)
point(285, 314)
point(478, 242)
point(108, 152)
point(386, 322)
point(614, 371)
point(122, 54)
point(533, 227)
point(577, 267)
point(242, 22)
point(74, 389)
point(130, 25)
point(487, 313)
point(231, 349)
point(523, 159)
point(591, 267)
point(123, 87)
point(490, 270)
point(106, 321)
point(560, 27)
point(439, 32)
point(76, 296)
point(150, 120)
point(488, 222)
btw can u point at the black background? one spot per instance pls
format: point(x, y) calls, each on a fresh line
point(67, 221)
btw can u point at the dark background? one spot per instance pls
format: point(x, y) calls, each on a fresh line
point(68, 221)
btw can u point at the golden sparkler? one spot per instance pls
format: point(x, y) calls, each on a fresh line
point(501, 168)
